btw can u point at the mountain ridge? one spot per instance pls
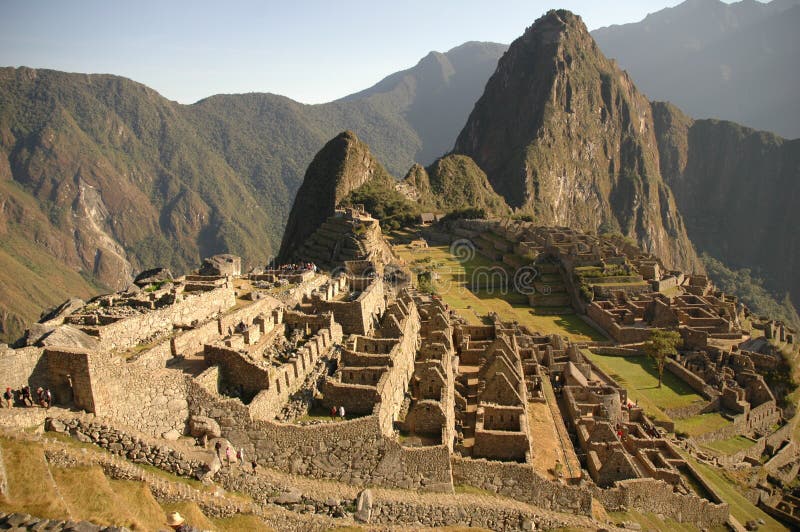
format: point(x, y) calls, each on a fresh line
point(740, 58)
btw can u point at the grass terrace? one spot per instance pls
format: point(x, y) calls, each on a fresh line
point(701, 424)
point(640, 376)
point(478, 286)
point(730, 445)
point(86, 493)
point(741, 508)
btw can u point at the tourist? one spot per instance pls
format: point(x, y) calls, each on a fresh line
point(8, 396)
point(217, 449)
point(27, 400)
point(240, 456)
point(229, 454)
point(176, 522)
point(341, 412)
point(48, 398)
point(334, 411)
point(254, 466)
point(40, 396)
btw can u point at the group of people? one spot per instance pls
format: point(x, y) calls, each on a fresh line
point(24, 397)
point(232, 456)
point(299, 267)
point(337, 411)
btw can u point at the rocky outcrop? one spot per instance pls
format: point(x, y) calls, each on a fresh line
point(152, 276)
point(737, 189)
point(562, 133)
point(454, 182)
point(343, 165)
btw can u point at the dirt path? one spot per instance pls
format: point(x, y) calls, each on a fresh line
point(544, 439)
point(572, 466)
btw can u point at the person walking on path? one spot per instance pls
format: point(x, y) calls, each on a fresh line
point(8, 397)
point(229, 455)
point(341, 412)
point(240, 456)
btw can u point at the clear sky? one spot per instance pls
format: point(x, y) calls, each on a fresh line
point(312, 51)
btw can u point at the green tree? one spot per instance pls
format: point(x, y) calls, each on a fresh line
point(661, 344)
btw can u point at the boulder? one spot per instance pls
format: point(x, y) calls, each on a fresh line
point(35, 334)
point(55, 425)
point(364, 506)
point(58, 313)
point(171, 435)
point(200, 425)
point(292, 497)
point(223, 264)
point(155, 275)
point(67, 336)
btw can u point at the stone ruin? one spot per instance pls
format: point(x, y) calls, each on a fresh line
point(431, 402)
point(351, 234)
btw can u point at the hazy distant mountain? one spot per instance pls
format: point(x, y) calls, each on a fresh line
point(437, 94)
point(716, 60)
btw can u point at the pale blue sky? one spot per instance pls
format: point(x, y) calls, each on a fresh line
point(312, 51)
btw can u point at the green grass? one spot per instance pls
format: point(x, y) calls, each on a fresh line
point(730, 445)
point(639, 376)
point(742, 509)
point(475, 305)
point(30, 489)
point(651, 521)
point(701, 424)
point(239, 522)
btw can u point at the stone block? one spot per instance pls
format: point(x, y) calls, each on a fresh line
point(364, 504)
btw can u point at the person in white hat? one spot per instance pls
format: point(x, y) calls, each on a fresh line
point(176, 522)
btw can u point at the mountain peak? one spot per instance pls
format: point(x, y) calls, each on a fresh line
point(341, 166)
point(562, 133)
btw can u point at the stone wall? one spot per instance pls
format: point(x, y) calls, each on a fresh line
point(393, 385)
point(521, 482)
point(759, 418)
point(607, 321)
point(352, 451)
point(133, 448)
point(68, 377)
point(694, 381)
point(238, 371)
point(246, 314)
point(360, 315)
point(132, 331)
point(191, 341)
point(505, 445)
point(3, 476)
point(784, 456)
point(656, 496)
point(152, 401)
point(22, 366)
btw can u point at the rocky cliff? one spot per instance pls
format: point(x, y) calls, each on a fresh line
point(562, 133)
point(738, 190)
